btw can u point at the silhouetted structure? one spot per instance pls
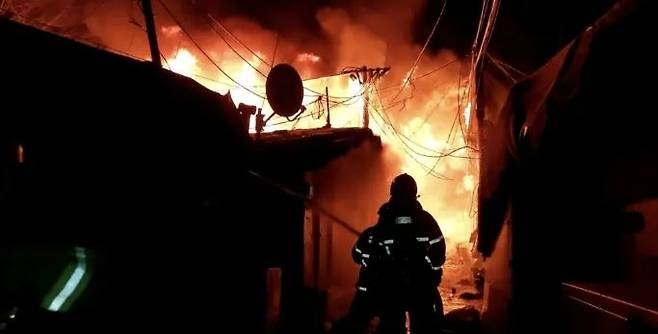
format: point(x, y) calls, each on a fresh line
point(565, 151)
point(149, 175)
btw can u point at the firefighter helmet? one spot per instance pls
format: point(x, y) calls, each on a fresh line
point(404, 187)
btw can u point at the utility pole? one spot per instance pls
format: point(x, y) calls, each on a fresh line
point(366, 75)
point(151, 32)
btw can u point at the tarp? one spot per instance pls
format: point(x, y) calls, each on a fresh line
point(570, 90)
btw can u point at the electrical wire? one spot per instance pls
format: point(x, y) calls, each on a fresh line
point(427, 115)
point(325, 77)
point(237, 53)
point(296, 119)
point(404, 139)
point(405, 147)
point(452, 127)
point(422, 51)
point(258, 57)
point(457, 116)
point(410, 150)
point(212, 61)
point(426, 74)
point(410, 155)
point(228, 32)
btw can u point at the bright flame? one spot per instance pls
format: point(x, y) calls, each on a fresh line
point(468, 182)
point(184, 63)
point(308, 57)
point(248, 78)
point(467, 115)
point(413, 140)
point(414, 127)
point(419, 148)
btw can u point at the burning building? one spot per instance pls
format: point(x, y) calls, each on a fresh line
point(350, 98)
point(422, 116)
point(376, 102)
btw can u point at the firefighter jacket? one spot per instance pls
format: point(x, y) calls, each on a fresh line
point(404, 250)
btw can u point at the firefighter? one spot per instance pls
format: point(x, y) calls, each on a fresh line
point(401, 260)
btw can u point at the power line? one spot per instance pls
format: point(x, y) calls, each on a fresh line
point(409, 150)
point(436, 69)
point(238, 40)
point(259, 58)
point(408, 80)
point(457, 115)
point(296, 119)
point(325, 77)
point(398, 134)
point(428, 114)
point(439, 176)
point(452, 127)
point(426, 74)
point(173, 17)
point(236, 52)
point(333, 96)
point(405, 147)
point(371, 73)
point(223, 83)
point(503, 66)
point(410, 155)
point(347, 98)
point(422, 51)
point(459, 104)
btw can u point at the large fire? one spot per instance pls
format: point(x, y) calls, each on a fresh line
point(421, 113)
point(416, 140)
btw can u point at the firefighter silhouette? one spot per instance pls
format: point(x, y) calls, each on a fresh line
point(401, 260)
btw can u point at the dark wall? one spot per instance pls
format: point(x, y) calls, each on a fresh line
point(598, 154)
point(145, 168)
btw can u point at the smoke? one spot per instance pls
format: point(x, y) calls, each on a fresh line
point(423, 114)
point(425, 120)
point(354, 43)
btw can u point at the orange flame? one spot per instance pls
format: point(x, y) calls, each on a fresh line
point(308, 57)
point(416, 144)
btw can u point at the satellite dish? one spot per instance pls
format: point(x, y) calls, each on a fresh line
point(284, 90)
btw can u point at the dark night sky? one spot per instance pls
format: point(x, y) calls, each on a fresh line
point(528, 32)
